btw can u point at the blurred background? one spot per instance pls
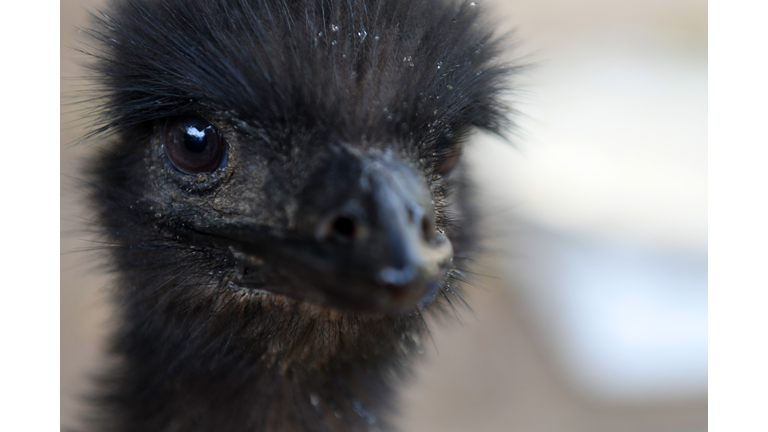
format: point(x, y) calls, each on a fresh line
point(591, 314)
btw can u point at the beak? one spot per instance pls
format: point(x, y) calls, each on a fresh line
point(373, 244)
point(386, 253)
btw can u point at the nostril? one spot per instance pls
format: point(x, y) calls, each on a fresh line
point(344, 227)
point(427, 228)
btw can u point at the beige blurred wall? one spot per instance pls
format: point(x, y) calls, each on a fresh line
point(489, 372)
point(84, 314)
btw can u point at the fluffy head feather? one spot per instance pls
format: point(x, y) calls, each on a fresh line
point(362, 69)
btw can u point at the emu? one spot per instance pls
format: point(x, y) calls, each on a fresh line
point(281, 196)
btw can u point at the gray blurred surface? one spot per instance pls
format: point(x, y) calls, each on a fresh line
point(492, 370)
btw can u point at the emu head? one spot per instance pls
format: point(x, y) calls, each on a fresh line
point(289, 152)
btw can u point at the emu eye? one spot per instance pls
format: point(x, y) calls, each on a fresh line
point(193, 145)
point(450, 157)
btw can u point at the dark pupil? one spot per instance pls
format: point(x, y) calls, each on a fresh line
point(196, 140)
point(192, 144)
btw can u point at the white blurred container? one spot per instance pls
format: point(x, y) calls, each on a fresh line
point(610, 183)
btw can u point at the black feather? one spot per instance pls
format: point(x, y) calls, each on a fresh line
point(285, 82)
